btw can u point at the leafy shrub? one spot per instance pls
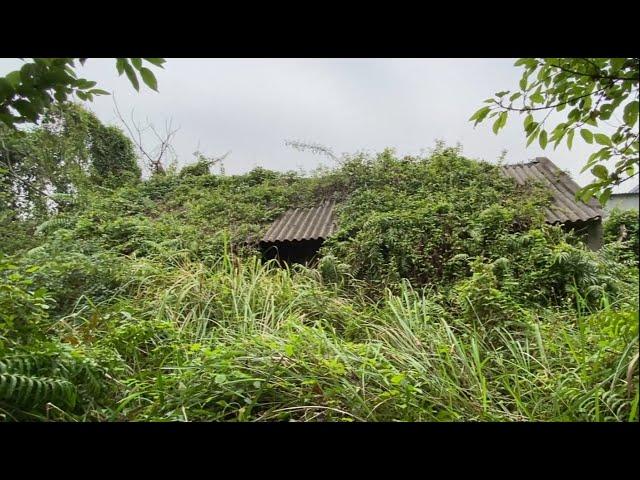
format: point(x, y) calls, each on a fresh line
point(623, 226)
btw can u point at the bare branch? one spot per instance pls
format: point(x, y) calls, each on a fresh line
point(155, 158)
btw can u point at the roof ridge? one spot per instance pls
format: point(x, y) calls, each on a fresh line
point(524, 163)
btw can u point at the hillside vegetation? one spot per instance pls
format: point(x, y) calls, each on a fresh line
point(443, 296)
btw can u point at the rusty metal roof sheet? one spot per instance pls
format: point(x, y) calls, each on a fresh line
point(564, 207)
point(303, 224)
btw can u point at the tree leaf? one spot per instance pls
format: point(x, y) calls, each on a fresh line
point(604, 196)
point(537, 98)
point(149, 78)
point(137, 63)
point(120, 62)
point(570, 138)
point(480, 114)
point(542, 139)
point(523, 83)
point(6, 90)
point(527, 120)
point(131, 74)
point(586, 135)
point(26, 109)
point(500, 121)
point(602, 139)
point(630, 115)
point(156, 61)
point(601, 172)
point(13, 78)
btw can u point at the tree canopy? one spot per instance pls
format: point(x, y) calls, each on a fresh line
point(26, 94)
point(594, 92)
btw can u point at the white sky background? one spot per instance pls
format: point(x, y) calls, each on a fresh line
point(251, 106)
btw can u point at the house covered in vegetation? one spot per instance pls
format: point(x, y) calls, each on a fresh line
point(297, 235)
point(583, 218)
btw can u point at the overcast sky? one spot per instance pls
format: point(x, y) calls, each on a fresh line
point(252, 106)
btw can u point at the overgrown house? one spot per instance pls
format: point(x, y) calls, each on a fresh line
point(298, 234)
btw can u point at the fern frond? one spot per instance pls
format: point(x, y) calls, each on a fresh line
point(21, 390)
point(53, 224)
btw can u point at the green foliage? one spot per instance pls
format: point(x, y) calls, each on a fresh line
point(622, 226)
point(442, 296)
point(26, 94)
point(46, 169)
point(113, 159)
point(594, 91)
point(23, 307)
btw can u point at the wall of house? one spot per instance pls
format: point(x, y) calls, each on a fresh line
point(622, 201)
point(591, 232)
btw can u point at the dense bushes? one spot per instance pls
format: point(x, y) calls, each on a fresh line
point(443, 296)
point(622, 226)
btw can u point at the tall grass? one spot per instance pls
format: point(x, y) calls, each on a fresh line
point(249, 341)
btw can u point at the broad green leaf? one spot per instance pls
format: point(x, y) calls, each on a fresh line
point(601, 172)
point(630, 115)
point(477, 113)
point(156, 61)
point(60, 95)
point(586, 135)
point(500, 122)
point(131, 74)
point(480, 114)
point(523, 83)
point(537, 98)
point(149, 78)
point(602, 139)
point(13, 78)
point(585, 193)
point(527, 120)
point(120, 62)
point(616, 64)
point(6, 90)
point(604, 196)
point(85, 84)
point(97, 91)
point(137, 63)
point(542, 139)
point(26, 109)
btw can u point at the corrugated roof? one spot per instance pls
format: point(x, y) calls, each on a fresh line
point(635, 189)
point(564, 207)
point(303, 224)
